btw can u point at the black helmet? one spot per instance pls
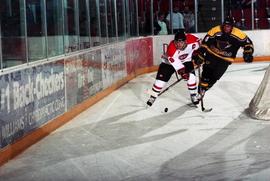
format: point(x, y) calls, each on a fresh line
point(229, 21)
point(180, 36)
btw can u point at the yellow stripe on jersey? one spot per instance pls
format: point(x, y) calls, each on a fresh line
point(214, 30)
point(237, 33)
point(228, 59)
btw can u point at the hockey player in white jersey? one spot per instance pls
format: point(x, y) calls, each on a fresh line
point(178, 58)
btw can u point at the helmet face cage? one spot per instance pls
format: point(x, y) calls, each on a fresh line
point(227, 25)
point(180, 40)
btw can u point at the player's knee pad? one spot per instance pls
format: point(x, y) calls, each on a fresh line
point(163, 76)
point(192, 78)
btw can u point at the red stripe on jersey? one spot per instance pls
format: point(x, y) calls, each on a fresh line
point(192, 39)
point(171, 49)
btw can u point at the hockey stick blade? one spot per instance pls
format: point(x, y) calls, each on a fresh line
point(207, 110)
point(203, 108)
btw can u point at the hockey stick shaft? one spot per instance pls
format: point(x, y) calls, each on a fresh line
point(202, 105)
point(173, 84)
point(199, 72)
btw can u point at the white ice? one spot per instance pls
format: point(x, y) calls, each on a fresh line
point(120, 139)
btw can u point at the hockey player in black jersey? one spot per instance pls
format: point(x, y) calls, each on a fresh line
point(218, 50)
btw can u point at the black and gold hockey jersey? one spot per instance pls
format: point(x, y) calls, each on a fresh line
point(225, 46)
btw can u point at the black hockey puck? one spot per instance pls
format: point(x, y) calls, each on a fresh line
point(166, 109)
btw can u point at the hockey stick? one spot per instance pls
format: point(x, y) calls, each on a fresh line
point(202, 106)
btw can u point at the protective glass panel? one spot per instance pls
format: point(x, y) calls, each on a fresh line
point(35, 21)
point(120, 7)
point(94, 22)
point(54, 15)
point(13, 33)
point(71, 38)
point(111, 21)
point(132, 21)
point(103, 21)
point(84, 25)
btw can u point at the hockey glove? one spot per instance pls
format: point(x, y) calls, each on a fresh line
point(248, 58)
point(183, 74)
point(165, 57)
point(198, 58)
point(247, 54)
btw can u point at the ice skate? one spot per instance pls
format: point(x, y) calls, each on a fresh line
point(201, 93)
point(195, 98)
point(151, 101)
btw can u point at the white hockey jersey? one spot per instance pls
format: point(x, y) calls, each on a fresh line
point(177, 57)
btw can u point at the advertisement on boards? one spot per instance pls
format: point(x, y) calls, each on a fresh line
point(83, 77)
point(29, 98)
point(113, 64)
point(139, 53)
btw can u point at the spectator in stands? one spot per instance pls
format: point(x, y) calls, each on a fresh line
point(189, 20)
point(162, 24)
point(177, 20)
point(157, 28)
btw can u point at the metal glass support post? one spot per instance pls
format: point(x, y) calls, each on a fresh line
point(125, 19)
point(128, 19)
point(196, 15)
point(45, 27)
point(77, 24)
point(25, 32)
point(222, 11)
point(252, 14)
point(115, 19)
point(106, 18)
point(63, 26)
point(1, 56)
point(152, 17)
point(98, 17)
point(171, 10)
point(137, 19)
point(89, 23)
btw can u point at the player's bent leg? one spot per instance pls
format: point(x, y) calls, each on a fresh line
point(164, 74)
point(156, 89)
point(192, 87)
point(203, 87)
